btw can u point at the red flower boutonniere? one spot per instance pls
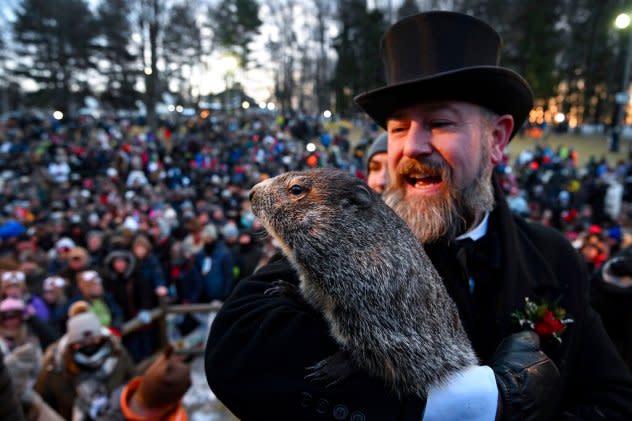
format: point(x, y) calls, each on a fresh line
point(542, 319)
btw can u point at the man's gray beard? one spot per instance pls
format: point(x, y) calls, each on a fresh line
point(453, 211)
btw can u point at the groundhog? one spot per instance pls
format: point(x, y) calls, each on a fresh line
point(362, 268)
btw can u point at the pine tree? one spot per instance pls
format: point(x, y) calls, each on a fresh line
point(235, 24)
point(119, 65)
point(55, 46)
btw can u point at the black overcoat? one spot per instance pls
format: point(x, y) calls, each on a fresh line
point(260, 345)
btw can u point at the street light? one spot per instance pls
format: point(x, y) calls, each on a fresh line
point(623, 98)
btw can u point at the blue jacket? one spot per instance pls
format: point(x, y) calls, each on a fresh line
point(216, 271)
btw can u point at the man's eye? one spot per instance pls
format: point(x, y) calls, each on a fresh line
point(437, 124)
point(296, 190)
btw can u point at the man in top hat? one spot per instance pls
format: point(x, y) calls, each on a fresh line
point(449, 110)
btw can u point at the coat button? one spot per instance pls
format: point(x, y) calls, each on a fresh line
point(322, 406)
point(357, 416)
point(340, 412)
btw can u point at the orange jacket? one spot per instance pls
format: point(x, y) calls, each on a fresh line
point(173, 412)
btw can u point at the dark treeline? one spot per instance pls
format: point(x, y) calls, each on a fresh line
point(320, 52)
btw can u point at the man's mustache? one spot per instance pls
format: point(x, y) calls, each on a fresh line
point(425, 166)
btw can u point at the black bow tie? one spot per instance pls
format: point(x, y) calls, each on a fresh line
point(465, 252)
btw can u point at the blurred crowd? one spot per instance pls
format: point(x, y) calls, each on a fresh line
point(108, 215)
point(100, 220)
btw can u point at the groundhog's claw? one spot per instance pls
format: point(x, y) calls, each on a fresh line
point(332, 370)
point(281, 287)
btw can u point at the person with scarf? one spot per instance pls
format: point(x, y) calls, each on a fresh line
point(82, 369)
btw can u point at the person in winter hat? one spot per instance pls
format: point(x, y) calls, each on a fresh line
point(54, 298)
point(18, 327)
point(81, 369)
point(156, 395)
point(376, 163)
point(102, 304)
point(78, 260)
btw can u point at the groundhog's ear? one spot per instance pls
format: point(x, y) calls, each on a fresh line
point(363, 195)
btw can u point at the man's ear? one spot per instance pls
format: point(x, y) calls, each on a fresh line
point(501, 133)
point(363, 195)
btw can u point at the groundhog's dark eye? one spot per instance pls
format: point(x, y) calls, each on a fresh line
point(296, 189)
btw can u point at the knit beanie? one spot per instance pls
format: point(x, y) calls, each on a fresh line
point(82, 323)
point(379, 145)
point(11, 304)
point(165, 382)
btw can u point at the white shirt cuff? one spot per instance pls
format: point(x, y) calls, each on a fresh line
point(469, 394)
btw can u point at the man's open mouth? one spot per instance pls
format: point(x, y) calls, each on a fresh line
point(422, 180)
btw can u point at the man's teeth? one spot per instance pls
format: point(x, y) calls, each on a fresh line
point(423, 180)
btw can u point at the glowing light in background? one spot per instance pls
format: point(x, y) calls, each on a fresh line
point(58, 115)
point(310, 147)
point(622, 21)
point(327, 114)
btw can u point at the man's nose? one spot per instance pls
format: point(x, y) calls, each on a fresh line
point(417, 142)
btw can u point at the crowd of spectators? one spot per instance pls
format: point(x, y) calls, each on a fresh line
point(100, 219)
point(106, 214)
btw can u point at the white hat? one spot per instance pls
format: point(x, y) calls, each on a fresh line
point(65, 242)
point(131, 224)
point(83, 326)
point(54, 282)
point(13, 277)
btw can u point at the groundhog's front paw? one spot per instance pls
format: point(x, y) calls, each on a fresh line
point(281, 287)
point(332, 370)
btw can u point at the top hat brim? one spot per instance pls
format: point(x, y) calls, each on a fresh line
point(498, 89)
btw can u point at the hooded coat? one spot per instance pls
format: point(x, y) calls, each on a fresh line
point(260, 345)
point(132, 293)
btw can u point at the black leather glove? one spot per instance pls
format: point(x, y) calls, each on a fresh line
point(528, 380)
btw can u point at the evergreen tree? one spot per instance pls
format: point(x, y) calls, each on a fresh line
point(235, 24)
point(182, 45)
point(55, 46)
point(358, 68)
point(119, 65)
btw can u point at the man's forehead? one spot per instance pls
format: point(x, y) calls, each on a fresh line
point(457, 107)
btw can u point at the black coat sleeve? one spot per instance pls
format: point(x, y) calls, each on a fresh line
point(258, 350)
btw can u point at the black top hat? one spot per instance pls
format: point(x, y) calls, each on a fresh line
point(446, 56)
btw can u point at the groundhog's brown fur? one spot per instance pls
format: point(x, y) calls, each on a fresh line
point(361, 266)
